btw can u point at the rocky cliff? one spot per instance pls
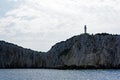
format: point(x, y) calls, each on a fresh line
point(87, 51)
point(13, 56)
point(82, 51)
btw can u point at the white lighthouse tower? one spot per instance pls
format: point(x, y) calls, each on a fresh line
point(85, 29)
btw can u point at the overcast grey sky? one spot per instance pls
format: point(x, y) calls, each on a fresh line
point(39, 24)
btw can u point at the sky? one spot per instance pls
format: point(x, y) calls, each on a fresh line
point(39, 24)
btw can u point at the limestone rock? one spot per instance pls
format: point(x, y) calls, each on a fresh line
point(13, 56)
point(82, 51)
point(87, 51)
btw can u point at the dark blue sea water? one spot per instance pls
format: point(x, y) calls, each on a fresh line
point(49, 74)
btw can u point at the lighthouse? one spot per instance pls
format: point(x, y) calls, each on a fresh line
point(85, 29)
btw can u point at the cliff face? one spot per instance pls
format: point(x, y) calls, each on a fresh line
point(82, 51)
point(13, 56)
point(87, 51)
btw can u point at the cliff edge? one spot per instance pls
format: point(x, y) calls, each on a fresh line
point(87, 51)
point(82, 51)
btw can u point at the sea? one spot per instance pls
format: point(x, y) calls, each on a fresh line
point(51, 74)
